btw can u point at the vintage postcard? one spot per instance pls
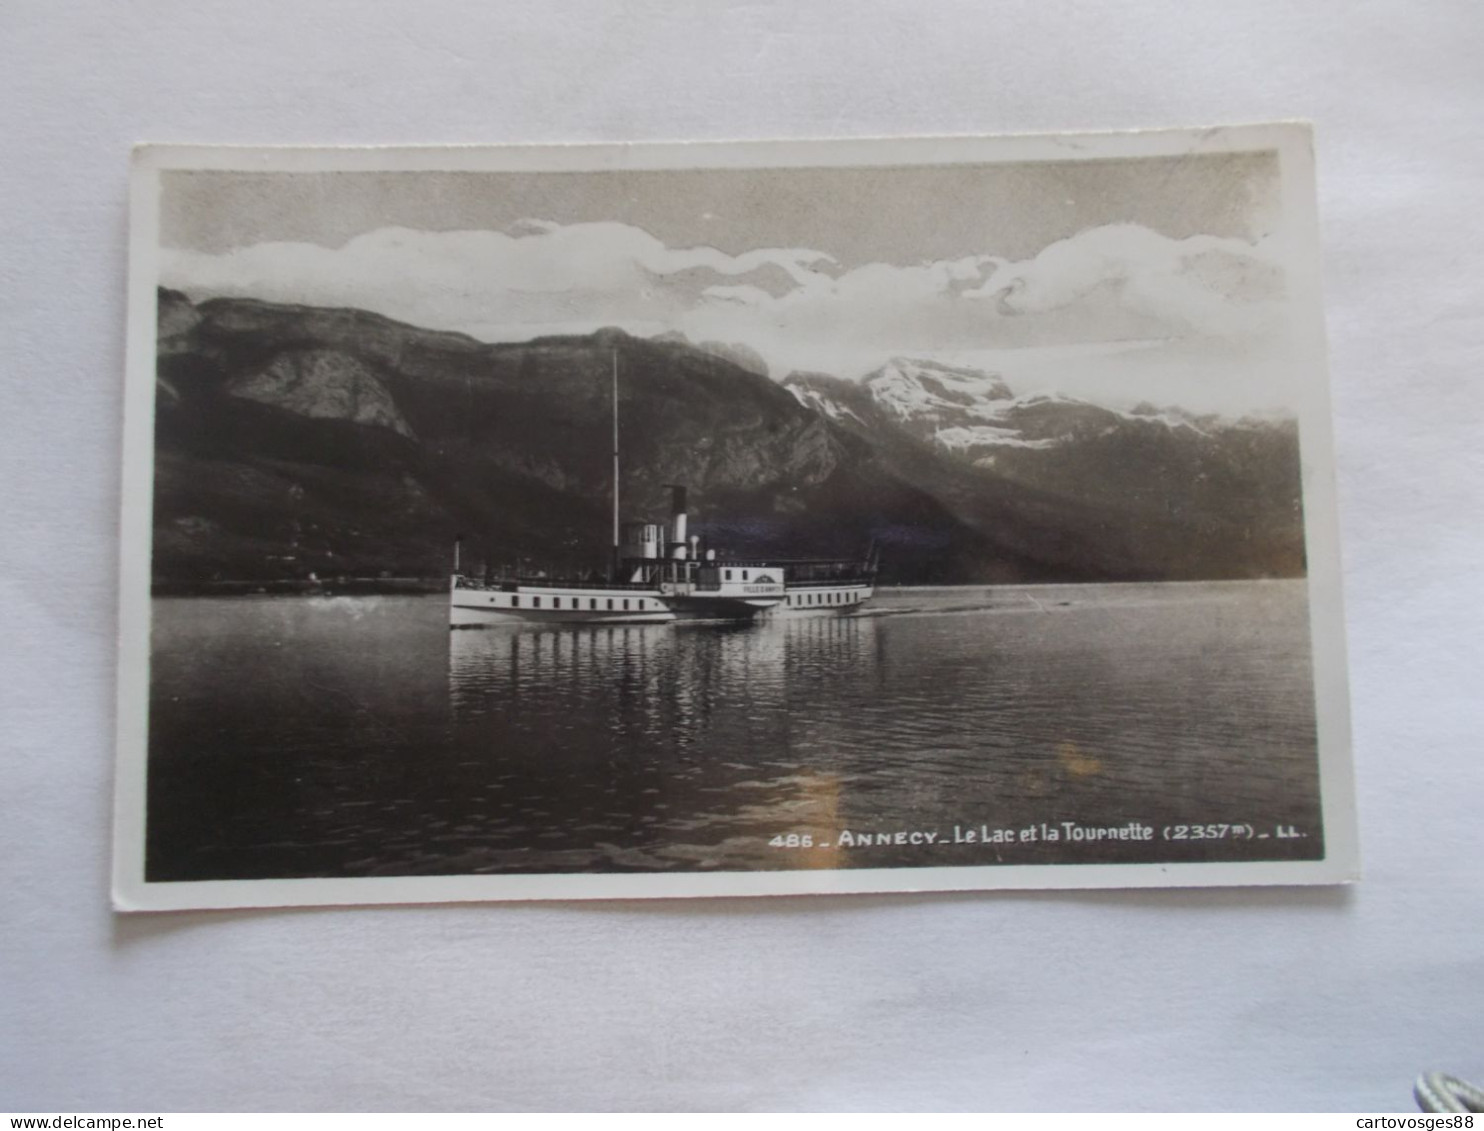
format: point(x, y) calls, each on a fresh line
point(728, 519)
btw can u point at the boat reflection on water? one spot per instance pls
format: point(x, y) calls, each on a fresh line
point(659, 680)
point(679, 740)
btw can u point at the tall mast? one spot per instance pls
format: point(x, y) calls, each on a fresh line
point(615, 465)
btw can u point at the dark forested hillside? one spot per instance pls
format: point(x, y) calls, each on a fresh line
point(294, 441)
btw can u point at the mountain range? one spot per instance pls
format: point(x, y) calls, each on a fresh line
point(294, 441)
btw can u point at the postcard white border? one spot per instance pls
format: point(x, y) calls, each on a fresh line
point(1299, 240)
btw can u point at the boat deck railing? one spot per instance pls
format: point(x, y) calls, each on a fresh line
point(511, 584)
point(791, 563)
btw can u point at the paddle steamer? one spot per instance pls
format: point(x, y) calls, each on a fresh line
point(659, 573)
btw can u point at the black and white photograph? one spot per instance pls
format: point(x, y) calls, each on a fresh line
point(728, 519)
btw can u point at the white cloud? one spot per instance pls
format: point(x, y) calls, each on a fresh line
point(795, 306)
point(578, 274)
point(1202, 284)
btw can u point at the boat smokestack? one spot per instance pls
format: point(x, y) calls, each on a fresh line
point(677, 517)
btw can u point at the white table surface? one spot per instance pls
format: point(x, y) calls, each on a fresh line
point(1330, 999)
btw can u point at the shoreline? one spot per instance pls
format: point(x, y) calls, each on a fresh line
point(334, 587)
point(423, 586)
point(1002, 586)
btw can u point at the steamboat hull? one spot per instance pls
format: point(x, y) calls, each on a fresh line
point(472, 606)
point(463, 617)
point(720, 608)
point(823, 600)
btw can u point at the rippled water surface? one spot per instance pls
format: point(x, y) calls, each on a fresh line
point(359, 736)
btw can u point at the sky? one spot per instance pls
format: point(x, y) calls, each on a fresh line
point(1118, 280)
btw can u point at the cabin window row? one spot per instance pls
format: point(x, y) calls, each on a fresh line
point(798, 599)
point(728, 574)
point(576, 603)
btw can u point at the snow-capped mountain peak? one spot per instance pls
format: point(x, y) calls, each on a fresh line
point(815, 399)
point(974, 416)
point(912, 388)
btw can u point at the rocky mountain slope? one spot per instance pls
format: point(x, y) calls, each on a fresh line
point(294, 441)
point(1232, 486)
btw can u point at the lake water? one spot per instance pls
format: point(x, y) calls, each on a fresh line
point(297, 736)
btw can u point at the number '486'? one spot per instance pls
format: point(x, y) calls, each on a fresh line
point(792, 840)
